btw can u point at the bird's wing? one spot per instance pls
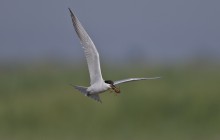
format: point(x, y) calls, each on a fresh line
point(95, 97)
point(91, 53)
point(133, 79)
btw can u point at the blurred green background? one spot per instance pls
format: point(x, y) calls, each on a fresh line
point(40, 56)
point(37, 102)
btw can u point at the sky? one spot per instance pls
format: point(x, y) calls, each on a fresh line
point(152, 31)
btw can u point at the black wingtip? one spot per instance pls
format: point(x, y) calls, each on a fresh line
point(70, 11)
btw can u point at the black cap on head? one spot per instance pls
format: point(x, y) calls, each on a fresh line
point(109, 82)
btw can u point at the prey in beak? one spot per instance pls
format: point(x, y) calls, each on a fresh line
point(113, 87)
point(116, 89)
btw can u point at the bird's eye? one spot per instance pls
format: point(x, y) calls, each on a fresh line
point(109, 82)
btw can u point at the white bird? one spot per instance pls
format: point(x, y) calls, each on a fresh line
point(97, 84)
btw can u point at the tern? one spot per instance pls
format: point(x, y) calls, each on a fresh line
point(97, 84)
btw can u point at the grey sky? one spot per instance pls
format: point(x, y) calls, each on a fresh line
point(158, 30)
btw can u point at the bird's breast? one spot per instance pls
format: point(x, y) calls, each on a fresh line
point(97, 88)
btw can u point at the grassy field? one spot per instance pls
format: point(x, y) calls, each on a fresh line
point(37, 103)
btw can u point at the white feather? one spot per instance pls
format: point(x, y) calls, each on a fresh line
point(133, 79)
point(91, 53)
point(97, 84)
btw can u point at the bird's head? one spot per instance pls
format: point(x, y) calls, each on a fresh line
point(111, 83)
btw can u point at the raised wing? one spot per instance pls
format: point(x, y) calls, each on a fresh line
point(91, 53)
point(133, 79)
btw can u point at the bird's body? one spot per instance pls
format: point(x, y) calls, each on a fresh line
point(97, 84)
point(94, 90)
point(98, 88)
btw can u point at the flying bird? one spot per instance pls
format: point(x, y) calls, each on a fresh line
point(97, 84)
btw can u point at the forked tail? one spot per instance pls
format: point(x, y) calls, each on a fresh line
point(83, 90)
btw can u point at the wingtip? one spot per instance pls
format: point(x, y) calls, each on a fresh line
point(157, 77)
point(154, 77)
point(70, 11)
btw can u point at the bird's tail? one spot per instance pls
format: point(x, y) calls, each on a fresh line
point(83, 90)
